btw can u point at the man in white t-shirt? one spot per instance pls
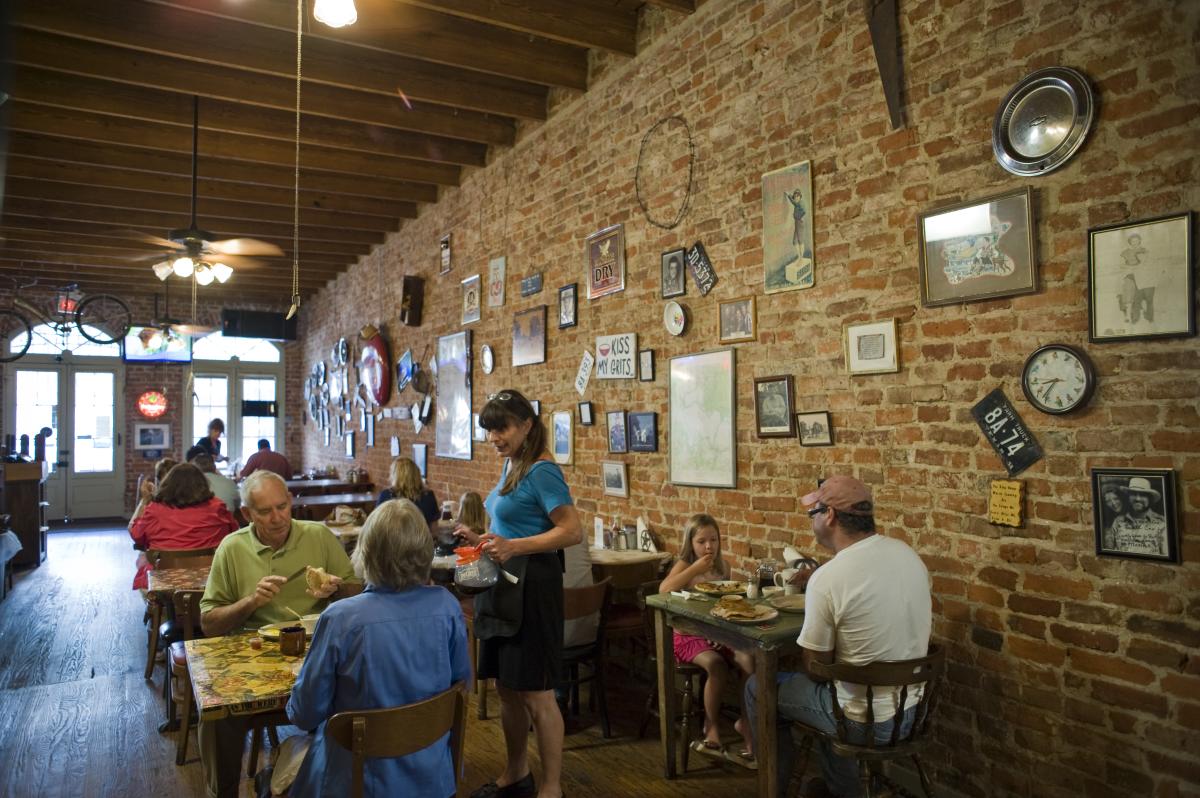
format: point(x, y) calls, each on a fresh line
point(870, 603)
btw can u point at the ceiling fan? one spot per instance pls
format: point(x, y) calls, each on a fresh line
point(170, 326)
point(191, 251)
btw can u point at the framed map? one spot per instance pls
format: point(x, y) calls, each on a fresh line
point(702, 427)
point(454, 428)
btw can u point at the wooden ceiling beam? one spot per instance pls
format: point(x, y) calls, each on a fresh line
point(154, 70)
point(682, 6)
point(97, 281)
point(41, 119)
point(119, 269)
point(211, 40)
point(582, 23)
point(124, 252)
point(238, 173)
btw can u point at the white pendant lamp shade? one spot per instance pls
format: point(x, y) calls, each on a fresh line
point(335, 13)
point(221, 272)
point(204, 275)
point(163, 270)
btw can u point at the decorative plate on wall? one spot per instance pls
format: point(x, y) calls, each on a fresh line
point(1043, 121)
point(674, 318)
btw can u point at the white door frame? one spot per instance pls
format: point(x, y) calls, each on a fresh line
point(234, 370)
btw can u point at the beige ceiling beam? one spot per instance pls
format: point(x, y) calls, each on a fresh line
point(682, 6)
point(122, 269)
point(97, 281)
point(128, 254)
point(582, 23)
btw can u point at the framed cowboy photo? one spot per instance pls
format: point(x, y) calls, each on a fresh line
point(1134, 513)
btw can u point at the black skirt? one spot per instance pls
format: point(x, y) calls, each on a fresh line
point(531, 659)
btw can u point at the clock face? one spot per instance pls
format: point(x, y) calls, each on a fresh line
point(1058, 379)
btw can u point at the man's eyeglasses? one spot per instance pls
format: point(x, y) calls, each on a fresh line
point(816, 511)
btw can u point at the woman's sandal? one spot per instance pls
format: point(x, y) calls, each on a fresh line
point(742, 757)
point(708, 748)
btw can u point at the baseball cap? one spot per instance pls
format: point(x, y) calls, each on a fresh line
point(841, 493)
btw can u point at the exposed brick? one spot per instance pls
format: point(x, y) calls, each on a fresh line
point(1030, 605)
point(1114, 667)
point(1086, 638)
point(1130, 698)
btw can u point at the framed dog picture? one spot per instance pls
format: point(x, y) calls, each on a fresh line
point(1134, 513)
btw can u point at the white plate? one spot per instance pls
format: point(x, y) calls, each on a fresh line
point(674, 318)
point(765, 614)
point(271, 630)
point(792, 603)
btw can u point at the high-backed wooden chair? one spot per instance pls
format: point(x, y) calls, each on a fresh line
point(625, 623)
point(479, 686)
point(580, 602)
point(168, 558)
point(399, 731)
point(187, 615)
point(922, 674)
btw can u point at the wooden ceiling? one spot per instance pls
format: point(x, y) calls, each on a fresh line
point(395, 108)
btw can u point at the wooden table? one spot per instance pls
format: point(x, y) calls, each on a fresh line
point(316, 508)
point(347, 535)
point(165, 581)
point(765, 641)
point(230, 678)
point(606, 557)
point(317, 487)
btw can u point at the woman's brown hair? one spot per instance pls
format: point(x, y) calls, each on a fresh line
point(162, 468)
point(183, 486)
point(406, 480)
point(510, 407)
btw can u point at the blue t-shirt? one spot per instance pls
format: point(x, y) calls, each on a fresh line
point(526, 511)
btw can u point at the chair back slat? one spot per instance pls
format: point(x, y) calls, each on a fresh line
point(187, 612)
point(180, 558)
point(580, 602)
point(358, 746)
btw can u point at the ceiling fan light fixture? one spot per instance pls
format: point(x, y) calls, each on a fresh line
point(204, 275)
point(163, 270)
point(335, 13)
point(183, 267)
point(221, 272)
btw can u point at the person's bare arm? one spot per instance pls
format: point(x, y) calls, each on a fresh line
point(223, 620)
point(682, 574)
point(567, 531)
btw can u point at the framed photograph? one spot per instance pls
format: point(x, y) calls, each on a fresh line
point(328, 436)
point(497, 268)
point(605, 254)
point(452, 437)
point(404, 370)
point(646, 365)
point(737, 321)
point(815, 428)
point(362, 420)
point(1135, 514)
point(615, 478)
point(618, 441)
point(445, 261)
point(976, 250)
point(480, 433)
point(674, 273)
point(536, 405)
point(349, 445)
point(773, 414)
point(420, 454)
point(871, 347)
point(568, 305)
point(561, 444)
point(471, 299)
point(1140, 280)
point(151, 436)
point(370, 430)
point(529, 336)
point(787, 237)
point(702, 415)
point(643, 432)
point(585, 414)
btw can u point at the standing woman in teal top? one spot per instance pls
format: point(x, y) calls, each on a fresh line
point(520, 627)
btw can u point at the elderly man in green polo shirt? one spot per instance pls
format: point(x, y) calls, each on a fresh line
point(257, 575)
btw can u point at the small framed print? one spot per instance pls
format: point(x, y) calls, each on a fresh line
point(643, 432)
point(618, 442)
point(1134, 513)
point(773, 415)
point(349, 445)
point(568, 305)
point(420, 453)
point(615, 478)
point(585, 414)
point(815, 428)
point(562, 445)
point(871, 347)
point(737, 321)
point(496, 274)
point(1140, 280)
point(605, 253)
point(646, 365)
point(445, 246)
point(328, 436)
point(529, 336)
point(151, 436)
point(370, 430)
point(404, 370)
point(674, 273)
point(471, 299)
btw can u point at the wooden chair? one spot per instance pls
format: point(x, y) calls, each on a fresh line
point(187, 613)
point(905, 675)
point(399, 731)
point(625, 622)
point(479, 686)
point(580, 602)
point(168, 558)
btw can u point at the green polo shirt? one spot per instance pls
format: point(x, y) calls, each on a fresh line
point(242, 560)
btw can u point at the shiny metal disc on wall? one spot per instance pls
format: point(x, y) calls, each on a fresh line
point(1043, 121)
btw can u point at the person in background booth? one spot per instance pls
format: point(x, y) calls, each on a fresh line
point(266, 459)
point(222, 486)
point(406, 483)
point(211, 442)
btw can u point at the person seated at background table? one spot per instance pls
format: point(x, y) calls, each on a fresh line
point(406, 483)
point(211, 442)
point(472, 520)
point(183, 514)
point(870, 603)
point(258, 577)
point(267, 460)
point(146, 487)
point(222, 486)
point(399, 642)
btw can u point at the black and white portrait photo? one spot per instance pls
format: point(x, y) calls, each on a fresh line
point(1134, 513)
point(674, 280)
point(815, 428)
point(773, 407)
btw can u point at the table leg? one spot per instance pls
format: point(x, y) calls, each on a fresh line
point(766, 743)
point(665, 655)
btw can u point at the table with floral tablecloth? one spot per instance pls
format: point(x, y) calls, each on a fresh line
point(165, 581)
point(231, 678)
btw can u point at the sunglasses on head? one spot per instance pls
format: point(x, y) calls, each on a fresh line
point(503, 396)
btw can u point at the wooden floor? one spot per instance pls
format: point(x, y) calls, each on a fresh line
point(77, 718)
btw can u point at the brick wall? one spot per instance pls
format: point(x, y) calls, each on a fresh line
point(1070, 675)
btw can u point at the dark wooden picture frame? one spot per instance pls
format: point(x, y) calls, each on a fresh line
point(586, 417)
point(641, 430)
point(618, 431)
point(568, 306)
point(1135, 513)
point(774, 416)
point(815, 427)
point(674, 273)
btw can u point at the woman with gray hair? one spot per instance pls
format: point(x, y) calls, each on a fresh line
point(401, 640)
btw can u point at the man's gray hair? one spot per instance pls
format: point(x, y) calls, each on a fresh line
point(254, 482)
point(205, 463)
point(394, 548)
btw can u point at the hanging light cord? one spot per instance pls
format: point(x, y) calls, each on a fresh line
point(296, 178)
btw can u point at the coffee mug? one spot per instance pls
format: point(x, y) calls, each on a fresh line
point(291, 641)
point(783, 579)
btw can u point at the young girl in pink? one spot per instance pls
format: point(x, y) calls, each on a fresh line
point(700, 561)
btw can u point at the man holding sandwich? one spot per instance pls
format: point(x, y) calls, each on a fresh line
point(259, 575)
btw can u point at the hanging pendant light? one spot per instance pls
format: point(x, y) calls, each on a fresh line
point(336, 13)
point(183, 267)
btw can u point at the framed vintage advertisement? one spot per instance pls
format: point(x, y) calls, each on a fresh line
point(737, 320)
point(614, 478)
point(787, 236)
point(643, 432)
point(151, 436)
point(605, 255)
point(773, 415)
point(561, 443)
point(816, 429)
point(1134, 513)
point(871, 347)
point(497, 268)
point(982, 249)
point(529, 336)
point(568, 306)
point(472, 299)
point(1140, 280)
point(674, 273)
point(702, 415)
point(618, 441)
point(452, 437)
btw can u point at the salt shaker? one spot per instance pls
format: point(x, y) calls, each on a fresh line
point(752, 589)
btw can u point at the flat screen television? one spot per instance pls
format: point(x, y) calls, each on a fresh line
point(157, 345)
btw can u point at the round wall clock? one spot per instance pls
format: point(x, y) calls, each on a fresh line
point(1058, 379)
point(487, 359)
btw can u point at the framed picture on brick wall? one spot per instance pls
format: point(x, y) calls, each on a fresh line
point(1134, 513)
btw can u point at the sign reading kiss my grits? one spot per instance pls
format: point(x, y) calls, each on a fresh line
point(615, 355)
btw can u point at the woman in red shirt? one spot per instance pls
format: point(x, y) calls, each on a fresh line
point(183, 514)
